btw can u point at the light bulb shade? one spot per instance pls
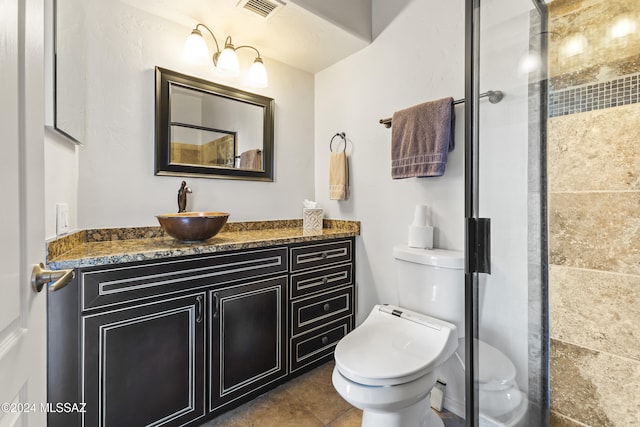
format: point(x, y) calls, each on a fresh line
point(228, 61)
point(195, 50)
point(258, 74)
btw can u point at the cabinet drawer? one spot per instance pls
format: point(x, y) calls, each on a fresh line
point(316, 255)
point(107, 286)
point(309, 347)
point(320, 280)
point(308, 313)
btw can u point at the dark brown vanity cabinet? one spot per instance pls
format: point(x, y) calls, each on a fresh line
point(153, 343)
point(177, 341)
point(322, 300)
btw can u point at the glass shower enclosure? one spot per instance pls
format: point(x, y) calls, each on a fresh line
point(506, 362)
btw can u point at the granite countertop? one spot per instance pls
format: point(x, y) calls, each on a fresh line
point(118, 245)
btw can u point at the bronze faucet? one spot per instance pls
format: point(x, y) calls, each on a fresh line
point(182, 197)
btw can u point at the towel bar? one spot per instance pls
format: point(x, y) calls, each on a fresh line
point(494, 96)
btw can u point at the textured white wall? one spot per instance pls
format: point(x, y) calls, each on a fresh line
point(61, 179)
point(60, 154)
point(418, 55)
point(116, 185)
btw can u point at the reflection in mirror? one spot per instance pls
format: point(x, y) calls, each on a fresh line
point(199, 116)
point(205, 129)
point(202, 147)
point(69, 65)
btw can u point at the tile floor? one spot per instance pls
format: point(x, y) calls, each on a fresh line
point(307, 401)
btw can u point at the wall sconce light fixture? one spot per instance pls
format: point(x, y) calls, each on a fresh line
point(196, 51)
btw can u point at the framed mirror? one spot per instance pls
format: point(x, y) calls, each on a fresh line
point(69, 79)
point(213, 131)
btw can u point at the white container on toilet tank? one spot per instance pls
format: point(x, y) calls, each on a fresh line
point(438, 289)
point(421, 230)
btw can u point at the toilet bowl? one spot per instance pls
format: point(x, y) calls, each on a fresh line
point(386, 366)
point(501, 401)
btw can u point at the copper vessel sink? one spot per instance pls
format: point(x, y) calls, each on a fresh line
point(193, 226)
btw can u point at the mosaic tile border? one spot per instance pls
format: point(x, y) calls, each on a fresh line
point(596, 96)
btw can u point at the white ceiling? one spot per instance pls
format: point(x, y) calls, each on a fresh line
point(294, 35)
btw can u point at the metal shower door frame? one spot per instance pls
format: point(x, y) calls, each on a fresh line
point(477, 230)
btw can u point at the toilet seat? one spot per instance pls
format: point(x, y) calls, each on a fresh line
point(394, 346)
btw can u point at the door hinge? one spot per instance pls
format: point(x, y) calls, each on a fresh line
point(478, 245)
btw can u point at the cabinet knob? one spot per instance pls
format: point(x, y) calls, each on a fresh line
point(324, 255)
point(326, 307)
point(325, 280)
point(325, 340)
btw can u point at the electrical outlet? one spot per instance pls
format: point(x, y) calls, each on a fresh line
point(62, 218)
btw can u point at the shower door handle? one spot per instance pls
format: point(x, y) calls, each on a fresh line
point(479, 245)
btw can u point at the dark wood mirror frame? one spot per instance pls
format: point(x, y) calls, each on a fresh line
point(163, 166)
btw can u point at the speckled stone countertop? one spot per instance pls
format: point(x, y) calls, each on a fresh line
point(118, 245)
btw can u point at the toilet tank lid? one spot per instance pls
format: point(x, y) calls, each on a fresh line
point(443, 258)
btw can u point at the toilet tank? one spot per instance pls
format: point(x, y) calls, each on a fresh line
point(431, 281)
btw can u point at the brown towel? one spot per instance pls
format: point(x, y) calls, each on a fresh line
point(251, 159)
point(338, 176)
point(421, 139)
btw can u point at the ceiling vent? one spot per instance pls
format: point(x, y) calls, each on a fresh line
point(262, 8)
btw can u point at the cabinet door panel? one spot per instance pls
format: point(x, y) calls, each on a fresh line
point(249, 344)
point(144, 365)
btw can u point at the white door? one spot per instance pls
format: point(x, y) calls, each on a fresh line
point(22, 311)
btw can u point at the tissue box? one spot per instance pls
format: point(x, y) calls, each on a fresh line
point(312, 219)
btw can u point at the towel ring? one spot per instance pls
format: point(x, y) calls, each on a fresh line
point(344, 139)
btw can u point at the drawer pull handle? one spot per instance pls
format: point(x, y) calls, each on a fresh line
point(326, 307)
point(324, 255)
point(325, 340)
point(325, 280)
point(216, 305)
point(199, 309)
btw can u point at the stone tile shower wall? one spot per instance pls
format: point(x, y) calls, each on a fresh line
point(593, 143)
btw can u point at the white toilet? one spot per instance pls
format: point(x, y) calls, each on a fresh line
point(386, 366)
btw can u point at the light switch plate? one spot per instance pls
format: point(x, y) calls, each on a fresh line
point(62, 218)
